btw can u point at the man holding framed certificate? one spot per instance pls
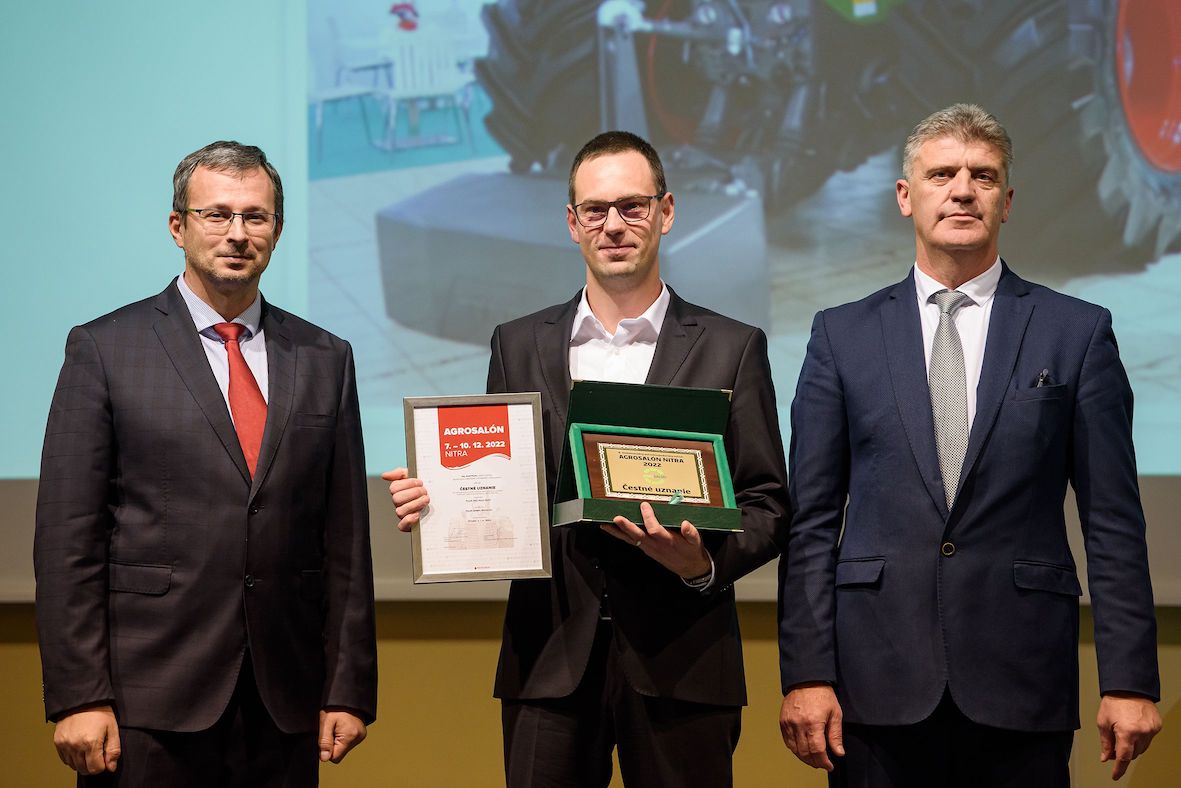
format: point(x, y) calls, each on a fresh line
point(634, 640)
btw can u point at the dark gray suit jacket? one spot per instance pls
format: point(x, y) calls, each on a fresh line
point(674, 642)
point(160, 562)
point(910, 598)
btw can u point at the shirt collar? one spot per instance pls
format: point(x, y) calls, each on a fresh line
point(205, 317)
point(979, 289)
point(645, 328)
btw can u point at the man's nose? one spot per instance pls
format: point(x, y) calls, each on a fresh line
point(614, 222)
point(963, 187)
point(237, 227)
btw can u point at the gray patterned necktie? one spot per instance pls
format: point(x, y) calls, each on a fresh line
point(947, 381)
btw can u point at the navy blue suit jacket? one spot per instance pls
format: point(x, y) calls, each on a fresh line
point(883, 611)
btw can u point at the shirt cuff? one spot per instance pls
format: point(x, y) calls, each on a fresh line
point(704, 582)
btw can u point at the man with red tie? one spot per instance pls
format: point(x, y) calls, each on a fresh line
point(204, 577)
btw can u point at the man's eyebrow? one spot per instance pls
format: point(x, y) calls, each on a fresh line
point(617, 199)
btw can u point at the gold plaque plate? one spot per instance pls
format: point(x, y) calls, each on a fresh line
point(653, 473)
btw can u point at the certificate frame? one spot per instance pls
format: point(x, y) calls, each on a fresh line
point(426, 462)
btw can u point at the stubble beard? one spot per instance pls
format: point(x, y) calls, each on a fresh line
point(223, 280)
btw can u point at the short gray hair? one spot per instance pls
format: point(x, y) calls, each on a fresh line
point(966, 123)
point(223, 156)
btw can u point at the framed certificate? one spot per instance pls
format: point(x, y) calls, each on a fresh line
point(482, 460)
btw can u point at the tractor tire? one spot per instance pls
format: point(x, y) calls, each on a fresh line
point(542, 77)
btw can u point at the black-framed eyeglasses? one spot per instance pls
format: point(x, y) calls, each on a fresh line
point(218, 220)
point(633, 209)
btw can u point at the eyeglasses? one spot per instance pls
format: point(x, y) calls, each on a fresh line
point(636, 208)
point(218, 221)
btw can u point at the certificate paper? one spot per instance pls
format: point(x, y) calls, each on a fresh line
point(481, 460)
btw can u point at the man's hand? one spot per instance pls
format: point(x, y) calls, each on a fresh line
point(88, 741)
point(408, 495)
point(810, 721)
point(340, 731)
point(677, 551)
point(1127, 724)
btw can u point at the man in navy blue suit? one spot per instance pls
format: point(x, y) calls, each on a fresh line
point(929, 613)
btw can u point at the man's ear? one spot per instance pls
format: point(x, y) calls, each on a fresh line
point(902, 193)
point(668, 210)
point(572, 223)
point(176, 228)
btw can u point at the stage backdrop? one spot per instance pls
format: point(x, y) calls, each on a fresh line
point(424, 149)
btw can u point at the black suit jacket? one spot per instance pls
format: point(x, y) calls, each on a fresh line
point(160, 562)
point(894, 598)
point(674, 642)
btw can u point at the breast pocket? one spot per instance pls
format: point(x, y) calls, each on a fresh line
point(321, 420)
point(1040, 393)
point(1039, 412)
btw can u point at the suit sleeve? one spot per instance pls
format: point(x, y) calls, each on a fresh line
point(73, 525)
point(819, 488)
point(1103, 475)
point(349, 630)
point(497, 383)
point(755, 450)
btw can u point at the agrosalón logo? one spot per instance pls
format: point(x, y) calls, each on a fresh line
point(471, 432)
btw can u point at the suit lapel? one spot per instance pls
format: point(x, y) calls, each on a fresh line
point(678, 334)
point(182, 343)
point(553, 352)
point(1006, 329)
point(281, 389)
point(903, 337)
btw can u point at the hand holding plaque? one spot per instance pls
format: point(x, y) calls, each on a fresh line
point(678, 549)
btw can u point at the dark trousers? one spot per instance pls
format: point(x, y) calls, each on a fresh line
point(567, 742)
point(947, 750)
point(243, 749)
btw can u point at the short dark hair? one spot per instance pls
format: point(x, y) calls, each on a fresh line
point(966, 123)
point(223, 156)
point(610, 142)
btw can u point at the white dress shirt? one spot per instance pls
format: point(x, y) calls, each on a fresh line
point(971, 321)
point(622, 357)
point(252, 342)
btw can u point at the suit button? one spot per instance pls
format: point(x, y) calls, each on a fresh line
point(595, 564)
point(254, 509)
point(948, 549)
point(249, 581)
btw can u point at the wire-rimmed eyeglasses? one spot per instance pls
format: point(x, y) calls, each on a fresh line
point(218, 220)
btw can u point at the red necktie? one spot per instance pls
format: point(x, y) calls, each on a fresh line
point(247, 406)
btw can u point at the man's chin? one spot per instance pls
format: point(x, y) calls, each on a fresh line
point(231, 279)
point(615, 269)
point(963, 242)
